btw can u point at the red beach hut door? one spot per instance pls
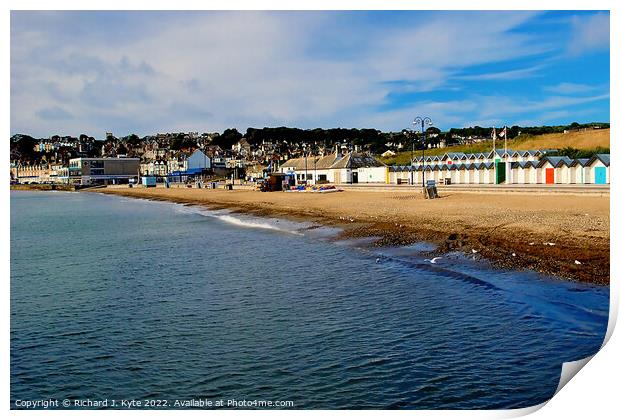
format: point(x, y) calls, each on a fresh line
point(549, 175)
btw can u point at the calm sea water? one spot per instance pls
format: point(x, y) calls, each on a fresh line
point(114, 298)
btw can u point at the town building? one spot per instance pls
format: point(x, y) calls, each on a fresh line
point(89, 171)
point(354, 167)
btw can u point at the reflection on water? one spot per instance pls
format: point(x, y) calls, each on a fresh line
point(117, 298)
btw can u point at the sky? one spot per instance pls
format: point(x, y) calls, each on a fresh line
point(148, 72)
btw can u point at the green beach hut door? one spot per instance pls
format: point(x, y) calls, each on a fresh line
point(600, 177)
point(500, 172)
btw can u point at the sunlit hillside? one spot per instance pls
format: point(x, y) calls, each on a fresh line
point(584, 140)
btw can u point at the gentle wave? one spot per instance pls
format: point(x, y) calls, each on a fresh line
point(247, 221)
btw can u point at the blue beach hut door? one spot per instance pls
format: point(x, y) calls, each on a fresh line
point(600, 177)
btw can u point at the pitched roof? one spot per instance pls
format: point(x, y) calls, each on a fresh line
point(356, 160)
point(555, 161)
point(604, 158)
point(502, 152)
point(318, 162)
point(581, 161)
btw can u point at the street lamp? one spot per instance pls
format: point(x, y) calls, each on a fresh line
point(423, 123)
point(306, 155)
point(408, 134)
point(350, 163)
point(315, 153)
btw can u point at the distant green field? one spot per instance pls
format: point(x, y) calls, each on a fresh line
point(597, 140)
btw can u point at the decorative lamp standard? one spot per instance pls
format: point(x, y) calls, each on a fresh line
point(423, 123)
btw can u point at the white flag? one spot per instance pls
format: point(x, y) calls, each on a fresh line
point(503, 133)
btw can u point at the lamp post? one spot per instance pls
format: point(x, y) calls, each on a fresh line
point(306, 155)
point(350, 162)
point(315, 154)
point(409, 135)
point(423, 123)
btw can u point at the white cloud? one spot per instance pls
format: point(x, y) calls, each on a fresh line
point(493, 105)
point(505, 75)
point(570, 88)
point(208, 71)
point(589, 33)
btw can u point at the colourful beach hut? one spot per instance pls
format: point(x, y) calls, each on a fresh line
point(597, 169)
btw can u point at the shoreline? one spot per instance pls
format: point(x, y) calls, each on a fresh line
point(540, 248)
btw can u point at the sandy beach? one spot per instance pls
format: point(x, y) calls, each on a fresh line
point(562, 235)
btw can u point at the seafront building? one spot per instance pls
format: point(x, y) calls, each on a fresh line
point(353, 167)
point(92, 171)
point(83, 171)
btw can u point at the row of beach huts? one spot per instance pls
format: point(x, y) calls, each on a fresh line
point(499, 166)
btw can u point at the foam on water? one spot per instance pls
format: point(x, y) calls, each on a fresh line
point(246, 221)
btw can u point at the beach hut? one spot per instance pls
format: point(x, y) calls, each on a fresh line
point(492, 168)
point(548, 166)
point(437, 172)
point(530, 172)
point(459, 175)
point(548, 170)
point(428, 173)
point(563, 172)
point(444, 172)
point(597, 169)
point(471, 169)
point(475, 177)
point(577, 171)
point(484, 173)
point(517, 174)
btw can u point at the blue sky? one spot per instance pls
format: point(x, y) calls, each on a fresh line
point(147, 72)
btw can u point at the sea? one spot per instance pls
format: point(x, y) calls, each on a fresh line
point(117, 299)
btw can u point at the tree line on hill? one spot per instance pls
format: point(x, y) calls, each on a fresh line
point(368, 139)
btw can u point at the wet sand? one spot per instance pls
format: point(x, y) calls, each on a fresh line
point(546, 233)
